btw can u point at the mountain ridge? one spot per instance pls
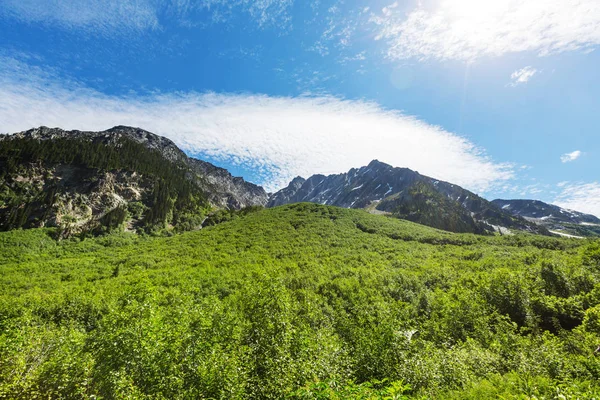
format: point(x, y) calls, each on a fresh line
point(406, 194)
point(89, 181)
point(167, 148)
point(103, 171)
point(557, 219)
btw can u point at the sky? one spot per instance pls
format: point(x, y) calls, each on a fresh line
point(501, 97)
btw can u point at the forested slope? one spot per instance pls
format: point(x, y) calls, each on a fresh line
point(300, 301)
point(96, 182)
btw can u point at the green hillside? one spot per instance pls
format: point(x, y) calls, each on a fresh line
point(301, 301)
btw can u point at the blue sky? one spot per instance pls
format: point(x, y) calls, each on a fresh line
point(500, 97)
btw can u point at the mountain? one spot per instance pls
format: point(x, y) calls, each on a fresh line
point(405, 194)
point(90, 181)
point(556, 219)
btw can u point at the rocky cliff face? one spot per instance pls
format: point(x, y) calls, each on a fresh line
point(226, 190)
point(223, 189)
point(555, 218)
point(358, 188)
point(84, 181)
point(406, 194)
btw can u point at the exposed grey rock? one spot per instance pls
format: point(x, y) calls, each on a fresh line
point(357, 188)
point(221, 188)
point(555, 218)
point(539, 210)
point(379, 187)
point(227, 190)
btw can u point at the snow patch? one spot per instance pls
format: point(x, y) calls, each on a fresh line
point(501, 229)
point(567, 235)
point(389, 191)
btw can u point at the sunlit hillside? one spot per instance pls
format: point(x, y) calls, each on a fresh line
point(300, 301)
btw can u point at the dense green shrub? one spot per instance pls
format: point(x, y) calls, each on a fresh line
point(303, 302)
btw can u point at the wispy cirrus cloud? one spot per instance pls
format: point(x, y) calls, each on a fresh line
point(339, 25)
point(471, 29)
point(583, 197)
point(263, 12)
point(102, 16)
point(569, 157)
point(522, 75)
point(119, 17)
point(281, 137)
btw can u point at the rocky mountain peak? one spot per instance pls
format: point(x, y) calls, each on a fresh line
point(94, 176)
point(404, 193)
point(297, 181)
point(110, 136)
point(151, 140)
point(378, 164)
point(222, 188)
point(557, 219)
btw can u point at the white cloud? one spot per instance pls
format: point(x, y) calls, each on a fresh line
point(583, 197)
point(470, 29)
point(281, 137)
point(388, 10)
point(339, 27)
point(568, 157)
point(102, 16)
point(264, 12)
point(320, 48)
point(522, 76)
point(117, 17)
point(521, 190)
point(357, 57)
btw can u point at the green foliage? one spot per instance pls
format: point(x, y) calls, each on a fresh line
point(302, 302)
point(592, 255)
point(517, 387)
point(591, 321)
point(376, 390)
point(225, 215)
point(430, 207)
point(136, 209)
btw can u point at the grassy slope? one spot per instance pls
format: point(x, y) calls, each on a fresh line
point(300, 301)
